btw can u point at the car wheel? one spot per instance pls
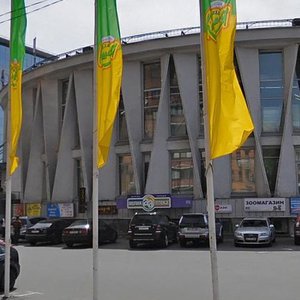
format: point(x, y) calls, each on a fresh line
point(132, 244)
point(236, 244)
point(164, 241)
point(182, 243)
point(55, 239)
point(13, 277)
point(221, 237)
point(70, 245)
point(32, 243)
point(114, 238)
point(297, 241)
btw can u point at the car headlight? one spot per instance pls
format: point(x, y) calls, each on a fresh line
point(264, 234)
point(238, 234)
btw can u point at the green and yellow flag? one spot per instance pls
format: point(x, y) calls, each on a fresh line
point(109, 74)
point(17, 52)
point(230, 123)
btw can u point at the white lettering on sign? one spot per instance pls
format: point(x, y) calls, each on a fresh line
point(264, 204)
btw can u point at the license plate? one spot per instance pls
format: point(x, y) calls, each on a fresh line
point(251, 239)
point(74, 232)
point(34, 231)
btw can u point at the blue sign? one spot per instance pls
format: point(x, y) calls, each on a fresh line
point(53, 210)
point(295, 206)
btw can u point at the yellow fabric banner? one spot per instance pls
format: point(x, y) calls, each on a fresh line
point(230, 122)
point(17, 52)
point(109, 74)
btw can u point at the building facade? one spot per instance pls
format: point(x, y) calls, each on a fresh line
point(157, 153)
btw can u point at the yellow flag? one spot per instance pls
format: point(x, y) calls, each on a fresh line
point(230, 123)
point(17, 52)
point(109, 74)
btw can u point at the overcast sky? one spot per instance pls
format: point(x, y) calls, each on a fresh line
point(69, 24)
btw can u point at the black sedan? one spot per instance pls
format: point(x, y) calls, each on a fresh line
point(14, 266)
point(49, 230)
point(81, 232)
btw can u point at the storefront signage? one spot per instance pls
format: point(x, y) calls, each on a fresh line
point(264, 204)
point(223, 208)
point(107, 210)
point(33, 209)
point(149, 202)
point(56, 210)
point(295, 206)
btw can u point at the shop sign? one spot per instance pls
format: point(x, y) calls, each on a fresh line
point(223, 208)
point(264, 204)
point(295, 206)
point(107, 210)
point(18, 209)
point(56, 210)
point(149, 202)
point(33, 209)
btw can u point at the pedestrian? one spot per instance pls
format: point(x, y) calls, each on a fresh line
point(17, 224)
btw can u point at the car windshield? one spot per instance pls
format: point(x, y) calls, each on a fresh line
point(43, 224)
point(80, 222)
point(254, 223)
point(193, 220)
point(144, 220)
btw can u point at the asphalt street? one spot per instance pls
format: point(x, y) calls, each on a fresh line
point(53, 272)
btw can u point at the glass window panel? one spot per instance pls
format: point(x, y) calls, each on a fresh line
point(123, 132)
point(271, 159)
point(152, 86)
point(271, 90)
point(270, 65)
point(182, 181)
point(127, 183)
point(296, 96)
point(177, 120)
point(242, 170)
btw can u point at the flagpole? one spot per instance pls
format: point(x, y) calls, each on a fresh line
point(95, 169)
point(209, 170)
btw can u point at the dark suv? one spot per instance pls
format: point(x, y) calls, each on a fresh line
point(151, 228)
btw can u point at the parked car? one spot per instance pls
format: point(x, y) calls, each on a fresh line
point(26, 223)
point(49, 230)
point(297, 231)
point(193, 227)
point(14, 266)
point(254, 231)
point(151, 228)
point(81, 232)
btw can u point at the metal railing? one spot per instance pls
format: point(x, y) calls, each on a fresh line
point(165, 34)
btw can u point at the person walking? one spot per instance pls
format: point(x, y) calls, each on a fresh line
point(17, 224)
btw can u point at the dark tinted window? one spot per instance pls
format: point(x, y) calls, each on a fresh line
point(144, 220)
point(254, 223)
point(193, 220)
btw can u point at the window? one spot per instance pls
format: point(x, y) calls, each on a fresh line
point(126, 176)
point(271, 159)
point(298, 169)
point(242, 170)
point(201, 98)
point(271, 90)
point(123, 133)
point(146, 159)
point(64, 92)
point(152, 86)
point(296, 96)
point(182, 172)
point(178, 127)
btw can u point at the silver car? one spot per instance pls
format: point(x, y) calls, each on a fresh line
point(254, 231)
